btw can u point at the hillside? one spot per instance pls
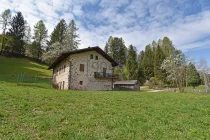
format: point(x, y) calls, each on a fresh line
point(11, 67)
point(40, 112)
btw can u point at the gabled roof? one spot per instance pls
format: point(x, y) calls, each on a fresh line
point(97, 49)
point(127, 82)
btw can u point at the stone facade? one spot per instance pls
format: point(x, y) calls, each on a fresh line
point(77, 72)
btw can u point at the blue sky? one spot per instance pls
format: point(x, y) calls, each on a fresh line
point(138, 22)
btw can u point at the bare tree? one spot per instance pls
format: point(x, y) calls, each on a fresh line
point(204, 71)
point(188, 59)
point(27, 38)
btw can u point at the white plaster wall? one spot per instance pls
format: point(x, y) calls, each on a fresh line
point(63, 76)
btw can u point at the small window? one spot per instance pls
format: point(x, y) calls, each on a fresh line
point(60, 71)
point(81, 82)
point(96, 57)
point(91, 56)
point(82, 67)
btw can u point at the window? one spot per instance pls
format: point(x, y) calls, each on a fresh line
point(63, 84)
point(104, 72)
point(81, 67)
point(60, 85)
point(96, 57)
point(81, 82)
point(91, 56)
point(64, 68)
point(60, 71)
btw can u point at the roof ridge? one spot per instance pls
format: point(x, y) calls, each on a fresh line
point(95, 48)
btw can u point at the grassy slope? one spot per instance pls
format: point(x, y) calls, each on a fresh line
point(39, 113)
point(10, 67)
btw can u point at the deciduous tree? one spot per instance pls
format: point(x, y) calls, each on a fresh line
point(5, 20)
point(175, 67)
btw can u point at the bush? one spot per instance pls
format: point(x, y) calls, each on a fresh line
point(55, 85)
point(154, 83)
point(160, 84)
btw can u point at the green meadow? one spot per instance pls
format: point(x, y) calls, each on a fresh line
point(36, 112)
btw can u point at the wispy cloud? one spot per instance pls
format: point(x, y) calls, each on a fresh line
point(187, 22)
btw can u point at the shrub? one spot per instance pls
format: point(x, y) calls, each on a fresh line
point(55, 85)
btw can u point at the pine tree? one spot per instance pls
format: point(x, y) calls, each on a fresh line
point(17, 31)
point(148, 63)
point(131, 63)
point(40, 36)
point(69, 43)
point(59, 32)
point(118, 50)
point(71, 37)
point(141, 76)
point(167, 46)
point(193, 77)
point(107, 46)
point(158, 60)
point(154, 46)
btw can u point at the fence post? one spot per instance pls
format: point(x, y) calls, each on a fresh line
point(35, 80)
point(21, 77)
point(50, 82)
point(17, 79)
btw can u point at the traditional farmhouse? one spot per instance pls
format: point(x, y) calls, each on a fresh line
point(127, 85)
point(85, 69)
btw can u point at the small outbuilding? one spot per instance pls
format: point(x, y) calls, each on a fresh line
point(127, 85)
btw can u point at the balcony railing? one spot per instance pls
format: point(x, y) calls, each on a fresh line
point(105, 75)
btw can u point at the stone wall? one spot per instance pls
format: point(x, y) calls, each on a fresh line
point(79, 80)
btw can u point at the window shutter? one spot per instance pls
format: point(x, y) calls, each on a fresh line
point(81, 67)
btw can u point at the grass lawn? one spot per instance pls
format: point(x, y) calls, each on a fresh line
point(33, 113)
point(28, 112)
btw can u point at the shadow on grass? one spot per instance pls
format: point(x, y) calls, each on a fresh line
point(16, 66)
point(34, 85)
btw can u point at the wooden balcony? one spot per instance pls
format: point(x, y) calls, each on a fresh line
point(105, 75)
